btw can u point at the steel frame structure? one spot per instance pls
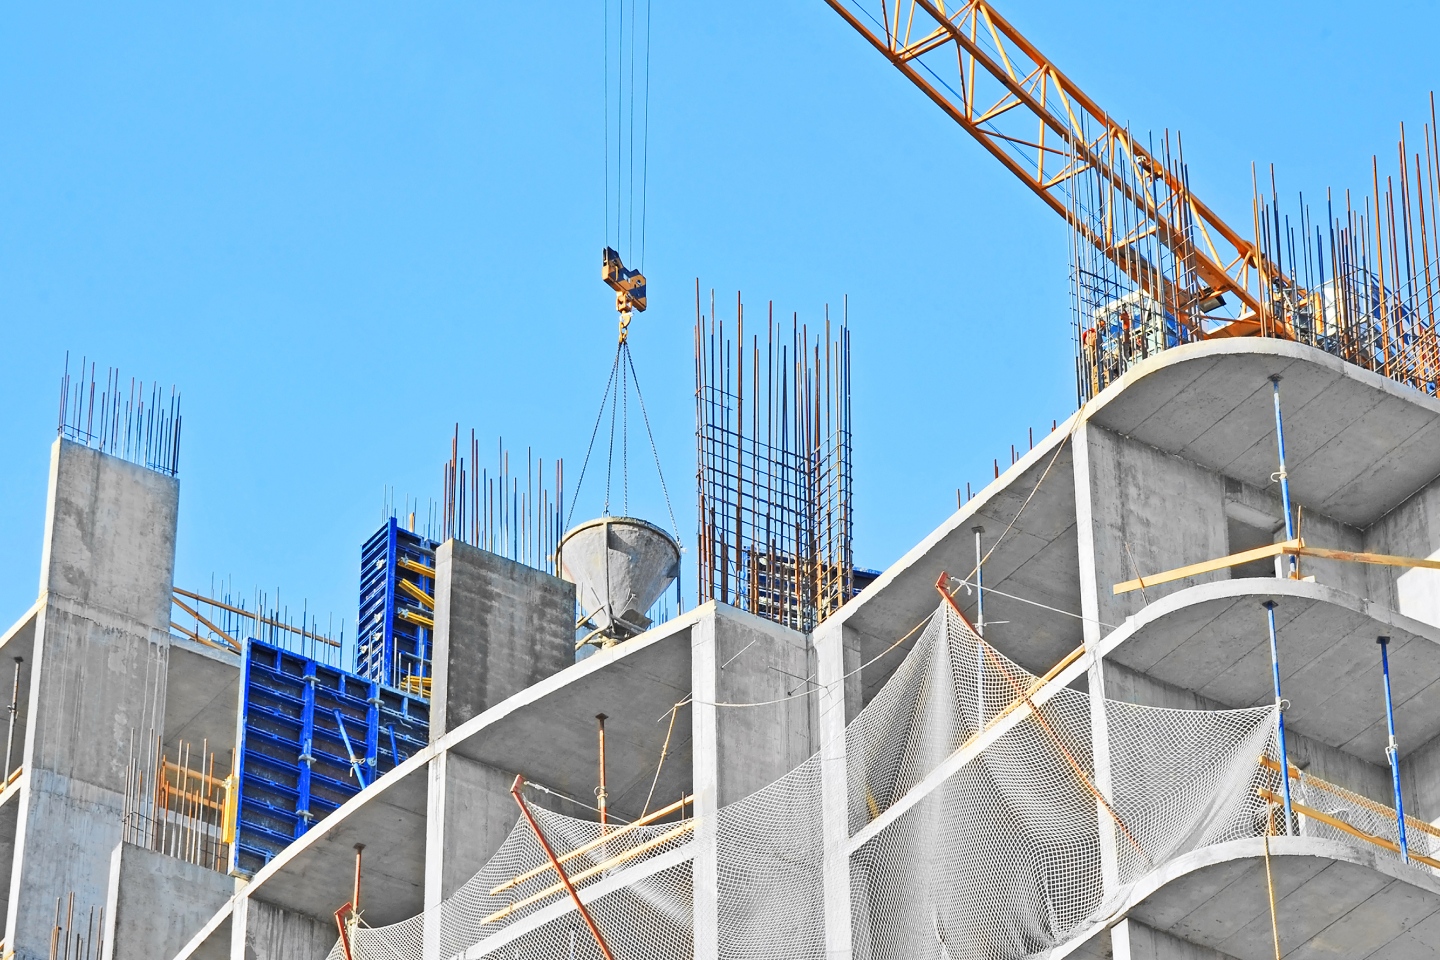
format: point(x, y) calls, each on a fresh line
point(1037, 122)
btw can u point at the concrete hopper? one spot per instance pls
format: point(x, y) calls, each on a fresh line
point(621, 566)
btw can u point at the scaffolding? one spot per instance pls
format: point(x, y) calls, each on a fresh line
point(773, 447)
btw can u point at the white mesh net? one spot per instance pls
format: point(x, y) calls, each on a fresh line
point(959, 847)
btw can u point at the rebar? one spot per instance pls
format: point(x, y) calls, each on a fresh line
point(773, 439)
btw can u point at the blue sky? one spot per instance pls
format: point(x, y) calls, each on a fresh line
point(341, 228)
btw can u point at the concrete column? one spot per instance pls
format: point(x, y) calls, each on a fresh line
point(157, 903)
point(705, 750)
point(264, 931)
point(829, 644)
point(500, 627)
point(737, 658)
point(97, 679)
point(470, 813)
point(1085, 522)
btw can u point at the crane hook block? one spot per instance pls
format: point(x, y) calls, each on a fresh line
point(629, 285)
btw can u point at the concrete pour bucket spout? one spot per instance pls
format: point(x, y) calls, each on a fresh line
point(620, 566)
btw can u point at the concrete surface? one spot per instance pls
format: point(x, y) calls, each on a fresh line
point(500, 627)
point(156, 903)
point(1333, 900)
point(1358, 444)
point(202, 700)
point(110, 534)
point(98, 679)
point(1213, 639)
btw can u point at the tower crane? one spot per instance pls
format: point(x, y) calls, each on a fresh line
point(992, 81)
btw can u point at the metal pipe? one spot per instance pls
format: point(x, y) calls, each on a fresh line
point(1280, 715)
point(559, 869)
point(355, 895)
point(14, 710)
point(600, 793)
point(1392, 751)
point(979, 583)
point(1284, 479)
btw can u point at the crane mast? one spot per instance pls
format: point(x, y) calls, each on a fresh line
point(1138, 212)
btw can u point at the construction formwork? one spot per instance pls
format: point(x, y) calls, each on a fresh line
point(311, 737)
point(397, 608)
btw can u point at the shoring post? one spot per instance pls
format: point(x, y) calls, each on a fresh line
point(1392, 750)
point(979, 582)
point(1280, 715)
point(355, 896)
point(559, 869)
point(1284, 479)
point(600, 793)
point(14, 709)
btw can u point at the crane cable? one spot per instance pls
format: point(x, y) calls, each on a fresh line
point(617, 398)
point(623, 78)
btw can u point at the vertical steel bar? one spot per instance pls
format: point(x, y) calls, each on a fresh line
point(1283, 476)
point(1280, 715)
point(1392, 751)
point(979, 582)
point(14, 710)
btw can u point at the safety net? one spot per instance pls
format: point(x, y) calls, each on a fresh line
point(980, 826)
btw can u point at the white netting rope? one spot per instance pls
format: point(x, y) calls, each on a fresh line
point(1002, 858)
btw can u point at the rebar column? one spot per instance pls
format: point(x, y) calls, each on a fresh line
point(1284, 479)
point(1280, 715)
point(1392, 751)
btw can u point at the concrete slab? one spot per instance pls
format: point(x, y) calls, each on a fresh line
point(546, 732)
point(1352, 436)
point(1033, 553)
point(1212, 638)
point(1333, 900)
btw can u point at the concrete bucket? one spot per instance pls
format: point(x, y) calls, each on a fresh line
point(620, 566)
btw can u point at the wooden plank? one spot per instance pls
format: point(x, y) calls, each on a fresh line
point(1339, 824)
point(1208, 566)
point(1354, 557)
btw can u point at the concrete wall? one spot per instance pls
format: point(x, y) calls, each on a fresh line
point(737, 658)
point(97, 679)
point(1150, 511)
point(471, 813)
point(1410, 530)
point(157, 903)
point(265, 931)
point(1420, 780)
point(500, 627)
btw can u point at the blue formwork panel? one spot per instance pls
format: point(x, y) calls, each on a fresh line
point(395, 628)
point(311, 736)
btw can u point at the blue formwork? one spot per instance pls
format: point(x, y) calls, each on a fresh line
point(396, 625)
point(311, 737)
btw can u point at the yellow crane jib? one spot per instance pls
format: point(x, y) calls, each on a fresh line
point(629, 286)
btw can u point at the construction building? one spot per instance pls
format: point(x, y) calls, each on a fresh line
point(1168, 687)
point(824, 798)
